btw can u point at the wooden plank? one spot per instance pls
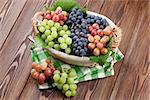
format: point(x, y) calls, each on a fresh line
point(9, 13)
point(15, 55)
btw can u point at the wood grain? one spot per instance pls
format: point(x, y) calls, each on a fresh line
point(132, 75)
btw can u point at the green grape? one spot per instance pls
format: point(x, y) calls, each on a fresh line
point(43, 36)
point(54, 34)
point(65, 27)
point(64, 75)
point(61, 40)
point(67, 50)
point(49, 38)
point(50, 23)
point(53, 29)
point(47, 32)
point(72, 74)
point(72, 87)
point(60, 28)
point(57, 25)
point(68, 41)
point(51, 44)
point(59, 86)
point(56, 72)
point(41, 28)
point(57, 46)
point(62, 80)
point(62, 33)
point(68, 33)
point(43, 23)
point(65, 36)
point(68, 93)
point(73, 93)
point(47, 27)
point(46, 41)
point(70, 80)
point(63, 46)
point(56, 77)
point(65, 87)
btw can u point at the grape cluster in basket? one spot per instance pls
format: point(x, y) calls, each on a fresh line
point(75, 33)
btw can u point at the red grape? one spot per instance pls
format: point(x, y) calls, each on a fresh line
point(34, 65)
point(41, 78)
point(48, 16)
point(99, 45)
point(94, 32)
point(61, 22)
point(104, 51)
point(91, 39)
point(35, 75)
point(55, 18)
point(47, 72)
point(38, 68)
point(96, 52)
point(91, 45)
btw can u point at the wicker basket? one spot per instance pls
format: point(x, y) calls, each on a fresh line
point(72, 59)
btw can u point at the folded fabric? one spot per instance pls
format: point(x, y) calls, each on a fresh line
point(83, 73)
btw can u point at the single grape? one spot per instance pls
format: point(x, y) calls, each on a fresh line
point(51, 44)
point(47, 32)
point(62, 33)
point(59, 86)
point(46, 41)
point(67, 50)
point(57, 25)
point(47, 27)
point(54, 34)
point(68, 33)
point(57, 46)
point(68, 41)
point(65, 36)
point(65, 87)
point(60, 28)
point(61, 40)
point(62, 80)
point(64, 75)
point(56, 77)
point(65, 27)
point(70, 80)
point(50, 23)
point(63, 46)
point(49, 38)
point(68, 93)
point(73, 93)
point(72, 73)
point(41, 28)
point(43, 23)
point(53, 29)
point(72, 87)
point(56, 72)
point(43, 36)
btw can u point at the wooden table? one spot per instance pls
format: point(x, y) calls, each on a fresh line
point(132, 75)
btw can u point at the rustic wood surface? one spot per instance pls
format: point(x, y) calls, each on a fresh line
point(132, 75)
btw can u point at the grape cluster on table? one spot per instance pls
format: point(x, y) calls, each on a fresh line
point(65, 81)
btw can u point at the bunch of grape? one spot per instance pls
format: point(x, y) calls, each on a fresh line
point(55, 36)
point(42, 72)
point(65, 81)
point(79, 29)
point(57, 16)
point(98, 39)
point(91, 19)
